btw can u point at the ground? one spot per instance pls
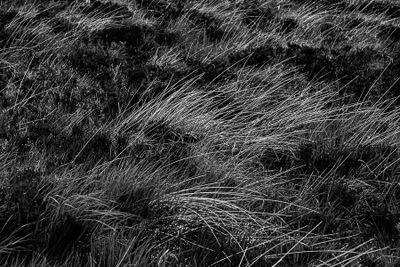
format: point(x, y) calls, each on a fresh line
point(199, 133)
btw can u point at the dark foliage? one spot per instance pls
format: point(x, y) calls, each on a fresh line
point(76, 145)
point(337, 4)
point(137, 202)
point(217, 71)
point(61, 25)
point(137, 45)
point(208, 22)
point(229, 108)
point(354, 22)
point(215, 246)
point(337, 202)
point(368, 262)
point(258, 56)
point(67, 234)
point(45, 11)
point(373, 7)
point(381, 224)
point(133, 35)
point(161, 132)
point(5, 18)
point(255, 15)
point(350, 67)
point(92, 60)
point(345, 162)
point(172, 147)
point(391, 32)
point(219, 246)
point(288, 25)
point(314, 61)
point(336, 214)
point(275, 160)
point(22, 205)
point(106, 8)
point(97, 147)
point(24, 192)
point(163, 9)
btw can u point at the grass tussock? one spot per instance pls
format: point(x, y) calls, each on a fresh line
point(199, 133)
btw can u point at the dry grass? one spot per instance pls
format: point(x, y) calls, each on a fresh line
point(199, 133)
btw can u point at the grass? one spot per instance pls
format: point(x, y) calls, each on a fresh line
point(199, 133)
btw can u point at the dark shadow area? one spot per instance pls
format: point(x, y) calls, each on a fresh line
point(374, 7)
point(255, 15)
point(345, 162)
point(5, 19)
point(288, 25)
point(381, 225)
point(66, 235)
point(390, 32)
point(61, 25)
point(161, 9)
point(22, 205)
point(106, 8)
point(211, 25)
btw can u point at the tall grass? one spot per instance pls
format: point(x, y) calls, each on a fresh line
point(256, 164)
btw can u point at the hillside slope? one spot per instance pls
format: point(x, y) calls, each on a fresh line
point(199, 133)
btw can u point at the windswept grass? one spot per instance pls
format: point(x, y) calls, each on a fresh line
point(199, 133)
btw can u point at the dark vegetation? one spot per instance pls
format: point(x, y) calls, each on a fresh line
point(211, 133)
